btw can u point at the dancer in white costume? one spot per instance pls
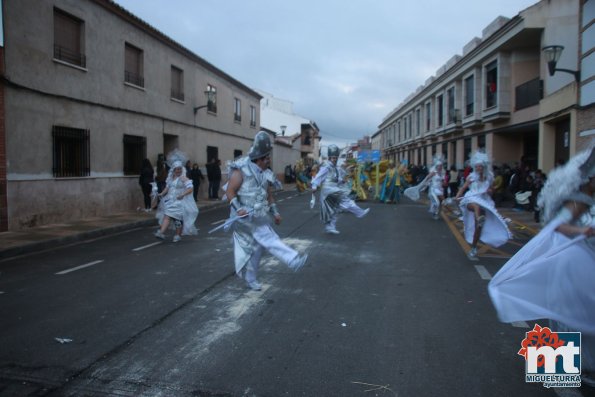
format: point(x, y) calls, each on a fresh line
point(552, 276)
point(334, 195)
point(480, 217)
point(177, 205)
point(434, 181)
point(249, 192)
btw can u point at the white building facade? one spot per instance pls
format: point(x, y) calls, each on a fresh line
point(499, 96)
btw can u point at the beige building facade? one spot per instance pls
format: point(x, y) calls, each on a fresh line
point(90, 90)
point(499, 96)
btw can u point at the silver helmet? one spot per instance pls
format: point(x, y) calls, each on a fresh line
point(261, 146)
point(333, 151)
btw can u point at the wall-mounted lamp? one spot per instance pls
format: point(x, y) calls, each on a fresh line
point(552, 56)
point(210, 97)
point(283, 128)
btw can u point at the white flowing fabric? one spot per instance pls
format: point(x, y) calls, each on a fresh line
point(551, 277)
point(495, 230)
point(414, 192)
point(184, 210)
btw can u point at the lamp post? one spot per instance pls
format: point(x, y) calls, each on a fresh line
point(283, 128)
point(552, 55)
point(210, 97)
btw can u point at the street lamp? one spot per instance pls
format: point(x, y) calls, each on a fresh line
point(210, 97)
point(283, 128)
point(552, 56)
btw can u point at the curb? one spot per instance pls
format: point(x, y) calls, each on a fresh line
point(51, 243)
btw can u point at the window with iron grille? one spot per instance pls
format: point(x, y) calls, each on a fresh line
point(252, 116)
point(237, 114)
point(135, 151)
point(69, 39)
point(71, 152)
point(212, 103)
point(133, 65)
point(177, 83)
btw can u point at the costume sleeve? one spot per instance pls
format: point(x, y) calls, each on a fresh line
point(320, 177)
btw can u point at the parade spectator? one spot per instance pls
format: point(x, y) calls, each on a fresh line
point(498, 187)
point(453, 180)
point(197, 178)
point(214, 177)
point(145, 179)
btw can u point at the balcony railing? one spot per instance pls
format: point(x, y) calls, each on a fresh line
point(134, 78)
point(528, 94)
point(175, 94)
point(69, 56)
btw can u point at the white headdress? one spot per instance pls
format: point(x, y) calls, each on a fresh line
point(176, 158)
point(438, 159)
point(564, 181)
point(480, 157)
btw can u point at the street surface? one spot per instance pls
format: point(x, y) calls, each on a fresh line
point(390, 307)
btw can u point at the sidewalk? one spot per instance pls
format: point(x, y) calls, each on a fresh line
point(13, 243)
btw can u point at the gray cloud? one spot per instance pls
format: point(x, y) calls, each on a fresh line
point(344, 65)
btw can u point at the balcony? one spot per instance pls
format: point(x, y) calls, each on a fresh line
point(528, 94)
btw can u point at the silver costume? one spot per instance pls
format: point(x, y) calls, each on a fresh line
point(334, 195)
point(253, 233)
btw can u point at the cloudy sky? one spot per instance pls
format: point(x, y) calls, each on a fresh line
point(344, 64)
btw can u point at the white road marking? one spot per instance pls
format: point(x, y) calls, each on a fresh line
point(483, 272)
point(281, 200)
point(520, 324)
point(1, 292)
point(218, 222)
point(79, 267)
point(147, 246)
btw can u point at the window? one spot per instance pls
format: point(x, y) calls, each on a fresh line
point(405, 136)
point(133, 65)
point(467, 148)
point(528, 94)
point(212, 103)
point(237, 153)
point(469, 95)
point(71, 150)
point(177, 83)
point(237, 113)
point(399, 130)
point(252, 116)
point(440, 104)
point(417, 122)
point(212, 153)
point(428, 116)
point(68, 39)
point(491, 84)
point(481, 142)
point(450, 105)
point(410, 124)
point(135, 151)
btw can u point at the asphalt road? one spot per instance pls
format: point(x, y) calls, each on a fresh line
point(390, 307)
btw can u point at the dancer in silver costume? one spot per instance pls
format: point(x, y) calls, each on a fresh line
point(250, 195)
point(177, 205)
point(334, 196)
